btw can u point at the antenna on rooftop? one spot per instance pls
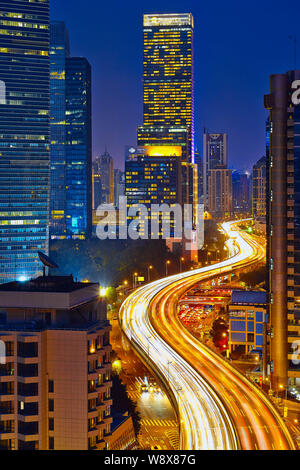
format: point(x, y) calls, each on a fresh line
point(47, 262)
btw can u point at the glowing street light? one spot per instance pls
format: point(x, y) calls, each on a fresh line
point(181, 260)
point(103, 291)
point(149, 269)
point(167, 264)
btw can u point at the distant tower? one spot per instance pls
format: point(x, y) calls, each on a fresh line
point(215, 153)
point(104, 165)
point(259, 184)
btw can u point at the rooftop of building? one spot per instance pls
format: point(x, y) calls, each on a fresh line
point(65, 284)
point(48, 292)
point(118, 419)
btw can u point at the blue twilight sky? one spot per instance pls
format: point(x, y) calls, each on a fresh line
point(238, 44)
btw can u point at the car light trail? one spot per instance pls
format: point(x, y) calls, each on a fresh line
point(218, 408)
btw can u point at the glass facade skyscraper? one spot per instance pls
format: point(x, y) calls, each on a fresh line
point(168, 82)
point(24, 137)
point(78, 147)
point(59, 51)
point(168, 112)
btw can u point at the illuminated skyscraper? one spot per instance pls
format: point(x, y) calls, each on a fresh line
point(220, 192)
point(283, 228)
point(59, 51)
point(78, 147)
point(24, 137)
point(259, 189)
point(167, 173)
point(151, 180)
point(103, 167)
point(168, 82)
point(214, 154)
point(119, 185)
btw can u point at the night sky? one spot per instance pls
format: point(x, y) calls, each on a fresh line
point(238, 44)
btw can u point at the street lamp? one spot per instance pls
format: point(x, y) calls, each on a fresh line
point(180, 263)
point(149, 269)
point(167, 264)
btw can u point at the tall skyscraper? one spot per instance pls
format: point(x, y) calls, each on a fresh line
point(241, 192)
point(215, 153)
point(220, 193)
point(78, 147)
point(97, 186)
point(283, 227)
point(259, 181)
point(104, 166)
point(24, 123)
point(168, 82)
point(167, 170)
point(199, 163)
point(59, 51)
point(119, 185)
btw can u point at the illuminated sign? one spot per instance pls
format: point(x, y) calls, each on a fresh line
point(180, 19)
point(164, 151)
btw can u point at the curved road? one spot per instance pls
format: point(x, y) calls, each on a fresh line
point(218, 408)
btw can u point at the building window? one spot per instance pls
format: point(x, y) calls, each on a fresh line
point(27, 349)
point(27, 370)
point(51, 443)
point(51, 405)
point(51, 424)
point(50, 386)
point(28, 390)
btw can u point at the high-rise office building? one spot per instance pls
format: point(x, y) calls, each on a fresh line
point(153, 180)
point(259, 181)
point(97, 186)
point(71, 147)
point(220, 193)
point(283, 227)
point(55, 382)
point(24, 123)
point(168, 82)
point(168, 127)
point(199, 163)
point(119, 185)
point(59, 51)
point(241, 192)
point(215, 153)
point(78, 147)
point(104, 166)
